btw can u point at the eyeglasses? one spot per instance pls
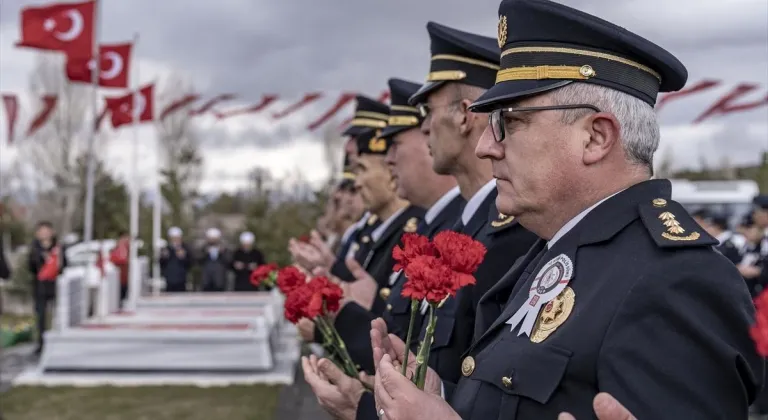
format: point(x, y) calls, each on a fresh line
point(425, 109)
point(496, 121)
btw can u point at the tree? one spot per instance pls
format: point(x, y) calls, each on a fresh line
point(274, 218)
point(110, 202)
point(53, 151)
point(179, 152)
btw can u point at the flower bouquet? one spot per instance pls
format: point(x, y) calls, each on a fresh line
point(317, 300)
point(759, 330)
point(434, 271)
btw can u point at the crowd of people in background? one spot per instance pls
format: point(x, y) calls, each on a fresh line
point(215, 260)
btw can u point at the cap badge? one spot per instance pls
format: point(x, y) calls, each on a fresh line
point(502, 31)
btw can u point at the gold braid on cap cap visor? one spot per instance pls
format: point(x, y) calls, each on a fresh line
point(403, 120)
point(368, 122)
point(561, 72)
point(442, 75)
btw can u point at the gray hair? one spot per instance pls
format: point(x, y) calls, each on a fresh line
point(639, 127)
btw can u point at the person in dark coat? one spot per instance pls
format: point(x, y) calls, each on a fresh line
point(624, 293)
point(175, 262)
point(5, 270)
point(45, 261)
point(245, 259)
point(214, 261)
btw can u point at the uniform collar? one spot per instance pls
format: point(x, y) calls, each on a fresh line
point(476, 200)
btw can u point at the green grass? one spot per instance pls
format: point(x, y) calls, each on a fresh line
point(140, 403)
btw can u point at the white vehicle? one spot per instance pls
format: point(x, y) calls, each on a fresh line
point(730, 198)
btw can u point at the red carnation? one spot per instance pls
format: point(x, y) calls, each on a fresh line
point(304, 238)
point(296, 302)
point(326, 297)
point(460, 252)
point(759, 330)
point(289, 278)
point(429, 278)
point(262, 273)
point(414, 245)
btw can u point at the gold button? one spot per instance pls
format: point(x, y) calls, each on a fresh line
point(366, 239)
point(384, 293)
point(587, 71)
point(468, 366)
point(659, 202)
point(389, 307)
point(507, 381)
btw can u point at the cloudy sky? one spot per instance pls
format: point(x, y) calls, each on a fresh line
point(253, 47)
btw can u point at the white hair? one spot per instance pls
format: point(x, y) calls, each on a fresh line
point(637, 119)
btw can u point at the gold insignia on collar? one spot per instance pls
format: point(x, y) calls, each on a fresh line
point(411, 225)
point(659, 202)
point(674, 230)
point(553, 315)
point(377, 144)
point(502, 31)
point(355, 247)
point(502, 220)
point(372, 219)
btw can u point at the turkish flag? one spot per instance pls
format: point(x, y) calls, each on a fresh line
point(64, 27)
point(115, 65)
point(121, 107)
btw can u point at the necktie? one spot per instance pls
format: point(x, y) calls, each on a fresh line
point(422, 228)
point(458, 226)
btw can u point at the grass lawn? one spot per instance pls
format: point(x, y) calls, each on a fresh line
point(255, 402)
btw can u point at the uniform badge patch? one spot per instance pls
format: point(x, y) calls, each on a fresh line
point(411, 225)
point(372, 220)
point(551, 280)
point(553, 315)
point(674, 232)
point(502, 220)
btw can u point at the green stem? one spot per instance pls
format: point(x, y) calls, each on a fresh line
point(348, 366)
point(423, 358)
point(409, 337)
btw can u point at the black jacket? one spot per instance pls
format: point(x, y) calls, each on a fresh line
point(251, 259)
point(357, 320)
point(652, 314)
point(505, 241)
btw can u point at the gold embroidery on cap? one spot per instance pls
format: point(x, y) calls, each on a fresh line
point(502, 31)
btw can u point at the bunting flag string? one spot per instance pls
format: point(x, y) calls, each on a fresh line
point(733, 101)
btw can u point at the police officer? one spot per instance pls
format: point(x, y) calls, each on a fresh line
point(411, 164)
point(462, 67)
point(619, 294)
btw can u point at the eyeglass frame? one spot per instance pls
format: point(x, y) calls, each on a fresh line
point(424, 108)
point(499, 112)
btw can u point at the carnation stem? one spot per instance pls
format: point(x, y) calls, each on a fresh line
point(422, 359)
point(409, 337)
point(347, 365)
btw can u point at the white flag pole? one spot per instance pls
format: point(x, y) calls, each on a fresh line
point(133, 269)
point(89, 181)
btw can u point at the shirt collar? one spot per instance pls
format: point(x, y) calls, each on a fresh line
point(476, 200)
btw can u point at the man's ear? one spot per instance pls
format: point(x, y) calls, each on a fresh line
point(464, 118)
point(604, 134)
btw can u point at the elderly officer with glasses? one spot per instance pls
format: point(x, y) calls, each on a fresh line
point(624, 294)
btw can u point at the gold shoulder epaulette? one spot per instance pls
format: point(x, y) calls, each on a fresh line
point(670, 225)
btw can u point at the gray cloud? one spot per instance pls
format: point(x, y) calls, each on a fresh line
point(252, 47)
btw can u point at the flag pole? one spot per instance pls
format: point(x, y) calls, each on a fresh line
point(157, 204)
point(89, 181)
point(133, 269)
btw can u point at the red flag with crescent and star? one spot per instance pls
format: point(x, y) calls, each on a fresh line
point(121, 107)
point(115, 65)
point(66, 27)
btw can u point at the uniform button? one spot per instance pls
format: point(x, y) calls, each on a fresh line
point(507, 382)
point(389, 307)
point(385, 292)
point(366, 239)
point(659, 202)
point(468, 366)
